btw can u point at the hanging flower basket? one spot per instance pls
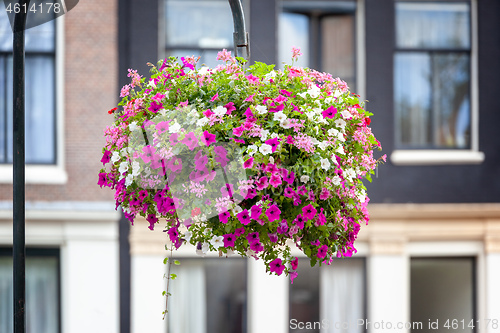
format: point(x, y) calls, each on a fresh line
point(241, 160)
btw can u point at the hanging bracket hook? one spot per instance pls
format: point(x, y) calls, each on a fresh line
point(240, 35)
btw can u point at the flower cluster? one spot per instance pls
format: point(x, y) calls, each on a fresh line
point(241, 160)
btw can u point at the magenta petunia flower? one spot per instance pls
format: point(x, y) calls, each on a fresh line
point(290, 140)
point(248, 163)
point(249, 98)
point(103, 180)
point(256, 247)
point(292, 275)
point(289, 192)
point(209, 138)
point(273, 238)
point(275, 180)
point(261, 183)
point(283, 227)
point(299, 221)
point(152, 219)
point(238, 131)
point(276, 266)
point(301, 190)
point(325, 194)
point(208, 113)
point(186, 63)
point(251, 193)
point(248, 113)
point(295, 263)
point(229, 240)
point(201, 162)
point(224, 216)
point(148, 154)
point(253, 237)
point(255, 212)
point(162, 127)
point(243, 217)
point(173, 139)
point(252, 79)
point(239, 231)
point(216, 97)
point(273, 143)
point(330, 112)
point(173, 234)
point(273, 213)
point(106, 157)
point(322, 251)
point(190, 140)
point(290, 177)
point(309, 212)
point(230, 108)
point(155, 107)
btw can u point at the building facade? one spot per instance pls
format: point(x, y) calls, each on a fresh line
point(72, 265)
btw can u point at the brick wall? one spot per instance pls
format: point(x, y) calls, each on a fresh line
point(90, 90)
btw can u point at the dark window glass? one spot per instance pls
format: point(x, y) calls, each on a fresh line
point(442, 289)
point(40, 115)
point(42, 291)
point(208, 296)
point(432, 75)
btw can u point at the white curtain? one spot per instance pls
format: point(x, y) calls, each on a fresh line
point(342, 296)
point(187, 312)
point(42, 313)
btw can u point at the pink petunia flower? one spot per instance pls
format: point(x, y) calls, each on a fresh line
point(295, 263)
point(209, 138)
point(322, 251)
point(190, 140)
point(309, 212)
point(229, 240)
point(239, 231)
point(243, 217)
point(216, 97)
point(155, 107)
point(230, 108)
point(292, 275)
point(273, 143)
point(276, 266)
point(152, 219)
point(173, 234)
point(255, 212)
point(330, 112)
point(106, 157)
point(223, 217)
point(273, 213)
point(248, 163)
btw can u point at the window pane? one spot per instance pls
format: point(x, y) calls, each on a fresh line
point(442, 289)
point(343, 295)
point(304, 296)
point(40, 109)
point(210, 23)
point(214, 291)
point(432, 25)
point(2, 111)
point(293, 31)
point(42, 294)
point(37, 39)
point(337, 37)
point(412, 97)
point(432, 104)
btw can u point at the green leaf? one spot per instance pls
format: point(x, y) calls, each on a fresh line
point(165, 261)
point(173, 276)
point(177, 262)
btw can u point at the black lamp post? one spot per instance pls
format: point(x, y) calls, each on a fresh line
point(19, 248)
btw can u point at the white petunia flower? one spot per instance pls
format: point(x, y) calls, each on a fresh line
point(323, 145)
point(133, 126)
point(187, 235)
point(217, 241)
point(123, 167)
point(286, 124)
point(346, 114)
point(270, 75)
point(340, 123)
point(220, 110)
point(336, 180)
point(340, 150)
point(333, 132)
point(314, 91)
point(135, 168)
point(252, 149)
point(325, 163)
point(361, 195)
point(261, 109)
point(271, 159)
point(129, 179)
point(337, 93)
point(279, 116)
point(264, 134)
point(315, 141)
point(266, 149)
point(115, 157)
point(202, 121)
point(204, 70)
point(175, 128)
point(236, 210)
point(349, 174)
point(152, 84)
point(304, 178)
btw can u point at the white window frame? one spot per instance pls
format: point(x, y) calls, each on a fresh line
point(54, 173)
point(453, 156)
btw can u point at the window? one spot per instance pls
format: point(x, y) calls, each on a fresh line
point(42, 291)
point(40, 92)
point(443, 289)
point(331, 297)
point(325, 33)
point(208, 296)
point(432, 75)
point(209, 30)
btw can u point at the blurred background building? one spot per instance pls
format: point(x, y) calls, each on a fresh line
point(431, 251)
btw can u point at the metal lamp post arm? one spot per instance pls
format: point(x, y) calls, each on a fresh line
point(240, 34)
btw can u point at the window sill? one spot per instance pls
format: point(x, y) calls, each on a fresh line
point(36, 174)
point(436, 157)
